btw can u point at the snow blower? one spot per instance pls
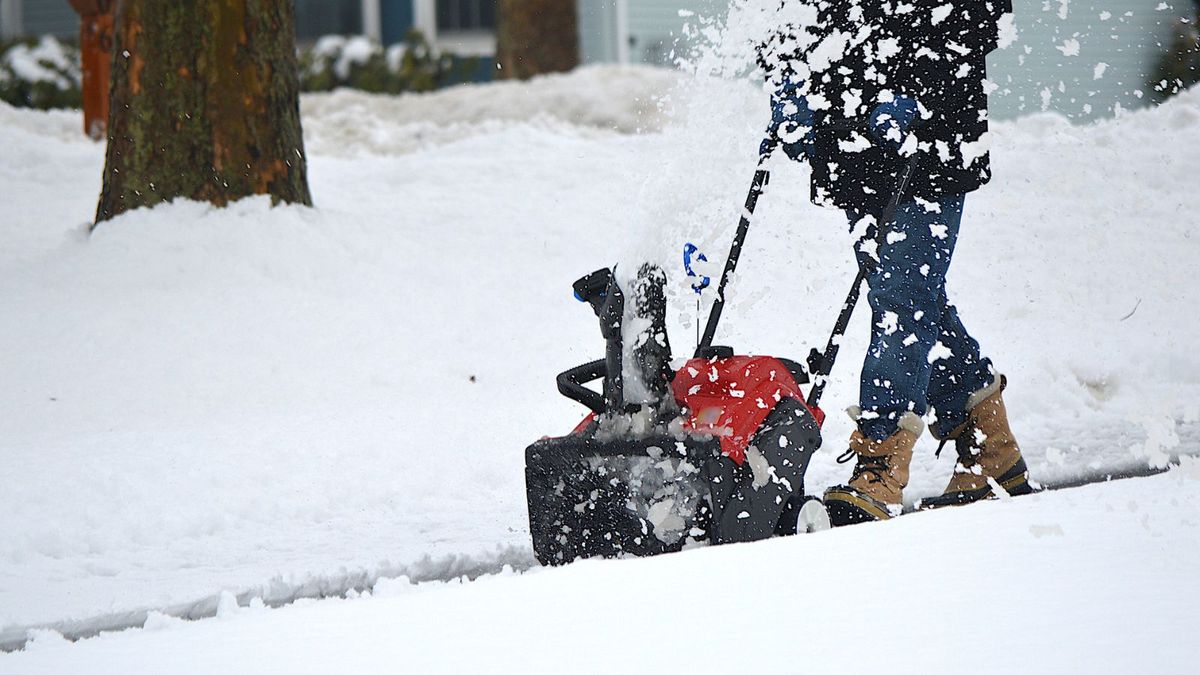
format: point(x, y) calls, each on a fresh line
point(714, 451)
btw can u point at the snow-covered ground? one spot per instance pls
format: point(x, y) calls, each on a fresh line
point(284, 402)
point(1084, 581)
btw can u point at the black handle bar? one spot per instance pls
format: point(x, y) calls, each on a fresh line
point(570, 384)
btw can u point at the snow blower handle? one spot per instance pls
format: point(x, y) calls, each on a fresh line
point(757, 186)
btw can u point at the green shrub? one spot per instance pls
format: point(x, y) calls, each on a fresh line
point(40, 73)
point(44, 72)
point(358, 63)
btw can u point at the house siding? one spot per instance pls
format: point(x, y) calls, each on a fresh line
point(396, 19)
point(315, 18)
point(47, 17)
point(10, 18)
point(1034, 74)
point(597, 21)
point(654, 26)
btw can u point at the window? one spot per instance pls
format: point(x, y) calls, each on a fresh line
point(466, 15)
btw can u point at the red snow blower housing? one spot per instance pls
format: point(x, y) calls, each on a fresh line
point(714, 451)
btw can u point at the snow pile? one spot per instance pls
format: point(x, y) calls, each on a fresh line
point(60, 125)
point(344, 52)
point(587, 102)
point(1082, 581)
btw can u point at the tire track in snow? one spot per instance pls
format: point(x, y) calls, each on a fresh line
point(279, 592)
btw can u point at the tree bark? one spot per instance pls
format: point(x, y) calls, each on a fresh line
point(535, 37)
point(204, 105)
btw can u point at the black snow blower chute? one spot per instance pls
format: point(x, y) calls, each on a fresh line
point(715, 451)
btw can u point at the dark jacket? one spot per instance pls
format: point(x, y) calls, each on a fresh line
point(934, 52)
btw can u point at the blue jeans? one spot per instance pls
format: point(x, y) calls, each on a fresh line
point(920, 354)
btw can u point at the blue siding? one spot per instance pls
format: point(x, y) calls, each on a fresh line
point(315, 18)
point(396, 19)
point(49, 17)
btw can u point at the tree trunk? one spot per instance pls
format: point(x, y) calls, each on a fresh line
point(535, 37)
point(205, 105)
point(95, 58)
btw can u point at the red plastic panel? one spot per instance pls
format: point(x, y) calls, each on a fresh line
point(731, 397)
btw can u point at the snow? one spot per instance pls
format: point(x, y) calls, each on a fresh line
point(45, 61)
point(590, 102)
point(294, 403)
point(1069, 47)
point(184, 416)
point(1086, 580)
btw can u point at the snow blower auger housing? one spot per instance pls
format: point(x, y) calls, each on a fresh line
point(718, 456)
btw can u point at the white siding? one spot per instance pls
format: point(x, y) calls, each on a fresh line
point(597, 20)
point(654, 28)
point(10, 18)
point(1130, 42)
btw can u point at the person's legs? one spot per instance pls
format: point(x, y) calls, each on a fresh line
point(907, 297)
point(920, 355)
point(958, 372)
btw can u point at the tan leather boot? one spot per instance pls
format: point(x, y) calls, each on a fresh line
point(880, 475)
point(988, 455)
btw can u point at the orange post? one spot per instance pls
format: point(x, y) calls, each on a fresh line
point(95, 54)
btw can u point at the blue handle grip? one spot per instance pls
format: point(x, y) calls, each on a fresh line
point(689, 250)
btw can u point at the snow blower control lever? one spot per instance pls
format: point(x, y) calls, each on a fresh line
point(762, 176)
point(820, 363)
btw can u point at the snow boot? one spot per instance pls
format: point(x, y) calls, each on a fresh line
point(988, 455)
point(880, 474)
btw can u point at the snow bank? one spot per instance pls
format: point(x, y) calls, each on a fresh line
point(1087, 580)
point(181, 412)
point(622, 99)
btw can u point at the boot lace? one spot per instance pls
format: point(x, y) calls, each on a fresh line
point(962, 445)
point(875, 468)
